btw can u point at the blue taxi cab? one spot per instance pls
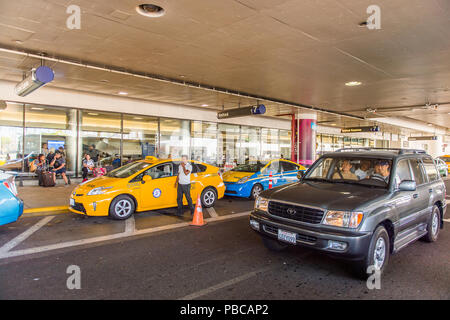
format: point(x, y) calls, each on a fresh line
point(249, 180)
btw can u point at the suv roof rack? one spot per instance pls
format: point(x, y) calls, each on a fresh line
point(399, 150)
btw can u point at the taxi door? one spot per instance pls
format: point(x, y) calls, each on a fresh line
point(160, 191)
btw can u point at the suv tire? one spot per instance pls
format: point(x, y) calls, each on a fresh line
point(274, 245)
point(122, 207)
point(434, 223)
point(377, 255)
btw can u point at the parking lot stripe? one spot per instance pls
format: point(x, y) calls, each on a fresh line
point(130, 225)
point(24, 235)
point(446, 220)
point(68, 244)
point(212, 212)
point(224, 284)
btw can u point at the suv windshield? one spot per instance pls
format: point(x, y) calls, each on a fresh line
point(359, 171)
point(249, 167)
point(128, 170)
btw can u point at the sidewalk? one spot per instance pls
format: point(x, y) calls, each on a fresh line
point(40, 197)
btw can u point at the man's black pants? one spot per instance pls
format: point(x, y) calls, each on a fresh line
point(186, 190)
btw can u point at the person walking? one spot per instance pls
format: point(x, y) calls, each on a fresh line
point(183, 185)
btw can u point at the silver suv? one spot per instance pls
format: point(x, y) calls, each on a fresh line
point(360, 204)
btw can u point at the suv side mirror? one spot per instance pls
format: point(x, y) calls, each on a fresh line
point(407, 185)
point(146, 178)
point(300, 175)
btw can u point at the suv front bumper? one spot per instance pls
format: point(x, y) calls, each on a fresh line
point(357, 243)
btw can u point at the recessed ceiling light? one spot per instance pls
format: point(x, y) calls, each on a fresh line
point(205, 105)
point(122, 93)
point(333, 124)
point(137, 118)
point(37, 108)
point(93, 113)
point(150, 10)
point(352, 83)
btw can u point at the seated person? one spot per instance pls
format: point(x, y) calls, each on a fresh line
point(345, 172)
point(382, 171)
point(363, 171)
point(88, 166)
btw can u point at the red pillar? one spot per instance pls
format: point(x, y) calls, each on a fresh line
point(303, 139)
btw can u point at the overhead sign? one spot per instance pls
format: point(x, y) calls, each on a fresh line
point(36, 79)
point(242, 112)
point(422, 138)
point(361, 129)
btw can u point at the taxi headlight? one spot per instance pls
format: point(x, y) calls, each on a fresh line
point(345, 219)
point(243, 180)
point(97, 191)
point(261, 203)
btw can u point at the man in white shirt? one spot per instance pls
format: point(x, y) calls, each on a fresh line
point(183, 185)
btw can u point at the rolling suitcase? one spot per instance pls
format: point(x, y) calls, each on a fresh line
point(47, 179)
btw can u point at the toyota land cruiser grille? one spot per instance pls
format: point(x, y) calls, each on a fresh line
point(299, 213)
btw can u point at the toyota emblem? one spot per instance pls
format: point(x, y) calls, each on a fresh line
point(291, 211)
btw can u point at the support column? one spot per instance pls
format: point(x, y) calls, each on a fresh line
point(303, 138)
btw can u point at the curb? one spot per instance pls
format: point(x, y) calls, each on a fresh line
point(44, 211)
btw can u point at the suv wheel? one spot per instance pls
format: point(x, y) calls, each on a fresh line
point(434, 223)
point(122, 207)
point(273, 245)
point(377, 255)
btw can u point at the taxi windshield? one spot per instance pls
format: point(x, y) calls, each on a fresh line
point(370, 172)
point(249, 167)
point(128, 170)
point(445, 158)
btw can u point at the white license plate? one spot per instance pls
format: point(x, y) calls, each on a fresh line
point(72, 202)
point(286, 236)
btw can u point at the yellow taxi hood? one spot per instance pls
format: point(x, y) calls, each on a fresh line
point(235, 176)
point(98, 182)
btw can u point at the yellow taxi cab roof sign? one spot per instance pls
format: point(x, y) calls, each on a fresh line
point(151, 159)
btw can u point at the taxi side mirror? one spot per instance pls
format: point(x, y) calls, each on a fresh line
point(146, 178)
point(300, 175)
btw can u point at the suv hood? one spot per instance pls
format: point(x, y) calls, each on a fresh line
point(333, 196)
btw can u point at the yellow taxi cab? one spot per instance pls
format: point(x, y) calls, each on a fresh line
point(446, 159)
point(144, 185)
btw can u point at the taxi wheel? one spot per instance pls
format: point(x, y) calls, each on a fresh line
point(256, 190)
point(122, 207)
point(208, 198)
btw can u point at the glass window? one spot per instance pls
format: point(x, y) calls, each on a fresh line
point(417, 171)
point(50, 129)
point(175, 138)
point(402, 172)
point(269, 144)
point(11, 137)
point(430, 169)
point(101, 137)
point(228, 145)
point(128, 170)
point(250, 145)
point(287, 166)
point(204, 142)
point(163, 170)
point(285, 144)
point(273, 167)
point(140, 138)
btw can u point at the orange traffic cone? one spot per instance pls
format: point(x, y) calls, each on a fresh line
point(198, 214)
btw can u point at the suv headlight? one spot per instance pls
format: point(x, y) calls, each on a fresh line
point(261, 203)
point(345, 219)
point(243, 180)
point(97, 191)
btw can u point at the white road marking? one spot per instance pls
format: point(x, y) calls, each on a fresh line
point(130, 225)
point(212, 212)
point(24, 235)
point(446, 220)
point(223, 284)
point(126, 233)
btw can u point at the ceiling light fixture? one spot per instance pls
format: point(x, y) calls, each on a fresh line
point(150, 10)
point(37, 108)
point(352, 83)
point(122, 93)
point(205, 105)
point(137, 118)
